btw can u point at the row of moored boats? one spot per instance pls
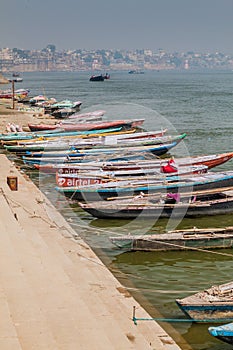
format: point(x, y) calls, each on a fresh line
point(115, 169)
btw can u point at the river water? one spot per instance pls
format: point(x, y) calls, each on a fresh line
point(197, 103)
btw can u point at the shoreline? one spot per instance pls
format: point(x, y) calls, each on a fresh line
point(20, 116)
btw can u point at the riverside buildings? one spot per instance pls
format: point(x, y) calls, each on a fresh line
point(49, 59)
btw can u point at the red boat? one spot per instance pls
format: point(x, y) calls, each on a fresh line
point(88, 126)
point(20, 93)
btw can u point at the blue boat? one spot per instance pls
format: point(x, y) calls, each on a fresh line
point(124, 188)
point(35, 135)
point(224, 332)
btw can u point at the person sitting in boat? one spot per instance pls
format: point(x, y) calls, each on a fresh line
point(173, 197)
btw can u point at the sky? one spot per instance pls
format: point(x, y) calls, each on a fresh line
point(172, 25)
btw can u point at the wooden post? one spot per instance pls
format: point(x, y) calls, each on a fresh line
point(13, 94)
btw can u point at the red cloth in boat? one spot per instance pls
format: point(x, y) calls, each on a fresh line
point(170, 167)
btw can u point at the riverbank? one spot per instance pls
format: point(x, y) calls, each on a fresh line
point(55, 292)
point(21, 116)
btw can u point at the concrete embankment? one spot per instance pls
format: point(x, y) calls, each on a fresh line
point(55, 293)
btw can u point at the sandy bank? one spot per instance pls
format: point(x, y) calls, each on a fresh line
point(22, 118)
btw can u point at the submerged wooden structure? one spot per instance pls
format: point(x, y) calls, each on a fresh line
point(209, 238)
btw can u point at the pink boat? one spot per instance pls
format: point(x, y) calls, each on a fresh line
point(88, 126)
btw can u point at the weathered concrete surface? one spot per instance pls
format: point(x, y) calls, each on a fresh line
point(54, 291)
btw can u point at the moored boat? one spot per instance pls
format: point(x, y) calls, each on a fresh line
point(214, 303)
point(223, 332)
point(186, 239)
point(176, 184)
point(89, 126)
point(141, 165)
point(193, 204)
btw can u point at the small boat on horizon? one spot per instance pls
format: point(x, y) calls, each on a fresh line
point(136, 71)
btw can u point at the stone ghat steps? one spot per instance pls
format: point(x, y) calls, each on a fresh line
point(54, 291)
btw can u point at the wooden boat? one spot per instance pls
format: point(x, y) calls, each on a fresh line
point(20, 93)
point(135, 187)
point(140, 165)
point(108, 139)
point(117, 152)
point(108, 148)
point(193, 204)
point(38, 136)
point(90, 119)
point(97, 78)
point(68, 180)
point(186, 239)
point(98, 113)
point(89, 126)
point(216, 302)
point(136, 71)
point(223, 332)
point(50, 108)
point(210, 161)
point(75, 142)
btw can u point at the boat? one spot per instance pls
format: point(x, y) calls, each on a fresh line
point(97, 146)
point(186, 239)
point(176, 184)
point(127, 124)
point(51, 108)
point(100, 77)
point(113, 152)
point(53, 134)
point(223, 332)
point(98, 113)
point(191, 204)
point(67, 180)
point(106, 76)
point(15, 74)
point(136, 71)
point(40, 101)
point(142, 166)
point(20, 93)
point(97, 78)
point(216, 302)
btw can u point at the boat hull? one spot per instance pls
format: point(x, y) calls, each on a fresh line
point(141, 212)
point(207, 312)
point(104, 193)
point(224, 332)
point(175, 240)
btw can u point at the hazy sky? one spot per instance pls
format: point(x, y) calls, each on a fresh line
point(173, 25)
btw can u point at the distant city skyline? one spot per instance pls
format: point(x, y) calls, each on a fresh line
point(172, 25)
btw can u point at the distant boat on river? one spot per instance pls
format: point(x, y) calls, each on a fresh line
point(100, 77)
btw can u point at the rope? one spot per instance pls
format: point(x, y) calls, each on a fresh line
point(179, 320)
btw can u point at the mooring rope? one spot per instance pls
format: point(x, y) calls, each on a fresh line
point(178, 320)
